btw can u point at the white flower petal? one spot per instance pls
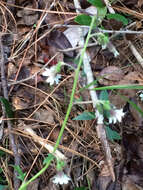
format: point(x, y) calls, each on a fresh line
point(116, 115)
point(47, 72)
point(61, 178)
point(52, 76)
point(50, 80)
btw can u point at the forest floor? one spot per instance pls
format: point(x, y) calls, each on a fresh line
point(71, 95)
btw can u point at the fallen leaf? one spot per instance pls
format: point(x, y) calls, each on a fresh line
point(28, 17)
point(129, 185)
point(45, 115)
point(59, 40)
point(11, 69)
point(110, 75)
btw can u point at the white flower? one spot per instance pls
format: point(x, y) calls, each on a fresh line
point(61, 178)
point(141, 96)
point(116, 115)
point(52, 75)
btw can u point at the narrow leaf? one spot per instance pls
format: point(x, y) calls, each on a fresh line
point(85, 116)
point(134, 86)
point(8, 108)
point(20, 172)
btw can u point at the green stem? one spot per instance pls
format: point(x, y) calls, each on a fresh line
point(74, 85)
point(23, 186)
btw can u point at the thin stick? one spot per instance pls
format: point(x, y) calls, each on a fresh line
point(136, 54)
point(59, 155)
point(40, 10)
point(11, 136)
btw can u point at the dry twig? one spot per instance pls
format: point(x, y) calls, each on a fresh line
point(11, 136)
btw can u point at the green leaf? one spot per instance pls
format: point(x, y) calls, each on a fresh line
point(103, 95)
point(50, 157)
point(8, 108)
point(97, 3)
point(85, 116)
point(60, 165)
point(128, 86)
point(20, 172)
point(99, 107)
point(102, 40)
point(83, 19)
point(111, 134)
point(117, 17)
point(2, 153)
point(106, 105)
point(58, 66)
point(3, 187)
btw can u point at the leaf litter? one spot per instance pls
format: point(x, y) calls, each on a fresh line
point(41, 107)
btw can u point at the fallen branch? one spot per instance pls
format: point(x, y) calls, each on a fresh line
point(136, 53)
point(44, 144)
point(11, 136)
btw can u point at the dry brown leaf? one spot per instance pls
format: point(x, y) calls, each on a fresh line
point(132, 76)
point(129, 79)
point(23, 98)
point(110, 75)
point(59, 40)
point(11, 69)
point(45, 115)
point(18, 104)
point(117, 101)
point(129, 185)
point(28, 17)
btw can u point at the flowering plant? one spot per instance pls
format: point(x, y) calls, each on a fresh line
point(51, 74)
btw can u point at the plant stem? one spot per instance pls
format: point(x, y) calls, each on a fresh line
point(74, 85)
point(23, 186)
